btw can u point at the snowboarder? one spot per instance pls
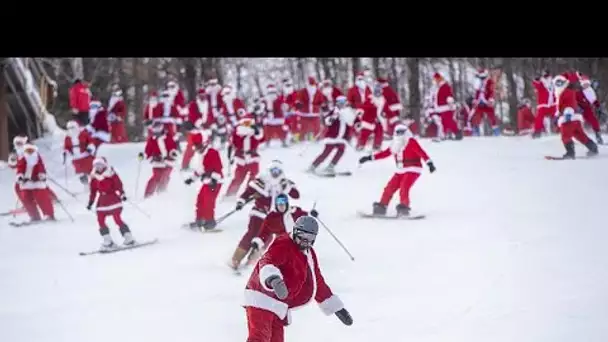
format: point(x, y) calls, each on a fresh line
point(161, 151)
point(31, 176)
point(339, 122)
point(106, 183)
point(569, 121)
point(212, 177)
point(408, 155)
point(80, 145)
point(288, 276)
point(264, 189)
point(244, 144)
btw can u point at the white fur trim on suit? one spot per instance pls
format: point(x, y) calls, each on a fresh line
point(258, 241)
point(575, 117)
point(274, 122)
point(544, 105)
point(103, 136)
point(412, 169)
point(334, 141)
point(257, 213)
point(263, 301)
point(395, 107)
point(393, 120)
point(308, 115)
point(110, 207)
point(247, 160)
point(255, 186)
point(331, 305)
point(443, 108)
point(266, 272)
point(367, 125)
point(31, 185)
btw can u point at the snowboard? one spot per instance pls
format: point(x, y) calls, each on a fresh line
point(390, 217)
point(204, 231)
point(120, 248)
point(562, 158)
point(335, 174)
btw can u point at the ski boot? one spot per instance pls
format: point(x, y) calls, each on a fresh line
point(330, 170)
point(598, 138)
point(284, 143)
point(379, 209)
point(107, 243)
point(592, 146)
point(403, 210)
point(209, 225)
point(237, 257)
point(535, 135)
point(458, 135)
point(496, 131)
point(126, 234)
point(84, 179)
point(311, 169)
point(197, 225)
point(570, 151)
point(476, 131)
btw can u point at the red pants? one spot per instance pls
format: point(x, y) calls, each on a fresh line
point(263, 326)
point(275, 132)
point(293, 123)
point(83, 165)
point(478, 115)
point(541, 114)
point(115, 213)
point(573, 130)
point(188, 153)
point(309, 125)
point(205, 202)
point(38, 199)
point(119, 133)
point(448, 122)
point(591, 119)
point(364, 137)
point(402, 182)
point(253, 229)
point(159, 180)
point(329, 148)
point(240, 174)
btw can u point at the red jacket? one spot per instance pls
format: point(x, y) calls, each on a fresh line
point(290, 102)
point(277, 223)
point(32, 170)
point(80, 145)
point(80, 97)
point(408, 156)
point(212, 165)
point(229, 108)
point(117, 110)
point(274, 115)
point(99, 121)
point(153, 112)
point(163, 149)
point(544, 97)
point(311, 106)
point(265, 193)
point(443, 99)
point(338, 130)
point(485, 93)
point(109, 188)
point(392, 101)
point(197, 110)
point(567, 105)
point(301, 273)
point(246, 143)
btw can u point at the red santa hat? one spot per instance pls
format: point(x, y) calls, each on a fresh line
point(201, 92)
point(482, 73)
point(271, 89)
point(572, 77)
point(360, 76)
point(437, 77)
point(20, 140)
point(312, 81)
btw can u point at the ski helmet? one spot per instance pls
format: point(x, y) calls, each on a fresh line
point(281, 199)
point(305, 232)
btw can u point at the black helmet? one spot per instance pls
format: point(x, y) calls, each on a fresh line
point(305, 231)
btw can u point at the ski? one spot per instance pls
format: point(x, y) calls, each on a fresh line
point(14, 212)
point(30, 223)
point(197, 229)
point(390, 217)
point(120, 248)
point(334, 174)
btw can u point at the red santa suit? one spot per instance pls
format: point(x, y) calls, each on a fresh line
point(277, 223)
point(171, 115)
point(161, 151)
point(310, 100)
point(587, 100)
point(330, 92)
point(264, 189)
point(244, 144)
point(212, 177)
point(545, 99)
point(274, 119)
point(195, 142)
point(117, 116)
point(372, 111)
point(178, 99)
point(393, 104)
point(266, 313)
point(357, 95)
point(289, 99)
point(81, 147)
point(463, 116)
point(99, 127)
point(408, 155)
point(525, 119)
point(106, 193)
point(31, 176)
point(153, 111)
point(339, 123)
point(569, 120)
point(200, 108)
point(483, 102)
point(214, 89)
point(443, 106)
point(231, 105)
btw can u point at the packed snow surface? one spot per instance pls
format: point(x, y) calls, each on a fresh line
point(513, 249)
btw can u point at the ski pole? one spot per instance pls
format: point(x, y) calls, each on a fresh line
point(139, 209)
point(61, 187)
point(335, 238)
point(228, 214)
point(137, 179)
point(65, 210)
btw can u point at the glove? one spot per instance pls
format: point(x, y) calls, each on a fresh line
point(189, 181)
point(89, 205)
point(431, 166)
point(314, 213)
point(256, 129)
point(147, 122)
point(157, 158)
point(365, 159)
point(257, 244)
point(20, 180)
point(213, 184)
point(173, 154)
point(278, 286)
point(240, 204)
point(123, 197)
point(345, 317)
point(64, 157)
point(90, 150)
point(140, 156)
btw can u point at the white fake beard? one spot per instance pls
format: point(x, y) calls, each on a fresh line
point(153, 103)
point(31, 159)
point(288, 90)
point(398, 144)
point(74, 132)
point(311, 89)
point(361, 84)
point(327, 92)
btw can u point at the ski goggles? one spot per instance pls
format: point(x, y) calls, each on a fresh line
point(341, 102)
point(281, 200)
point(400, 132)
point(304, 239)
point(275, 172)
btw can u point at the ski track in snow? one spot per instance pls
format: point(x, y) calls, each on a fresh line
point(512, 249)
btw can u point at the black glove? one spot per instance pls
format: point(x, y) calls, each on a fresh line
point(345, 317)
point(314, 213)
point(213, 184)
point(189, 181)
point(278, 286)
point(431, 167)
point(157, 158)
point(89, 206)
point(147, 122)
point(240, 205)
point(21, 180)
point(365, 159)
point(256, 129)
point(140, 156)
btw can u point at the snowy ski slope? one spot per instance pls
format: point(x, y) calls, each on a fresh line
point(513, 249)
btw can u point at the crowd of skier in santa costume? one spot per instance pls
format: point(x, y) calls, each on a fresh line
point(279, 236)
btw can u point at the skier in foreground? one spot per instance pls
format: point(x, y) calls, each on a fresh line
point(408, 155)
point(288, 276)
point(31, 176)
point(568, 121)
point(106, 183)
